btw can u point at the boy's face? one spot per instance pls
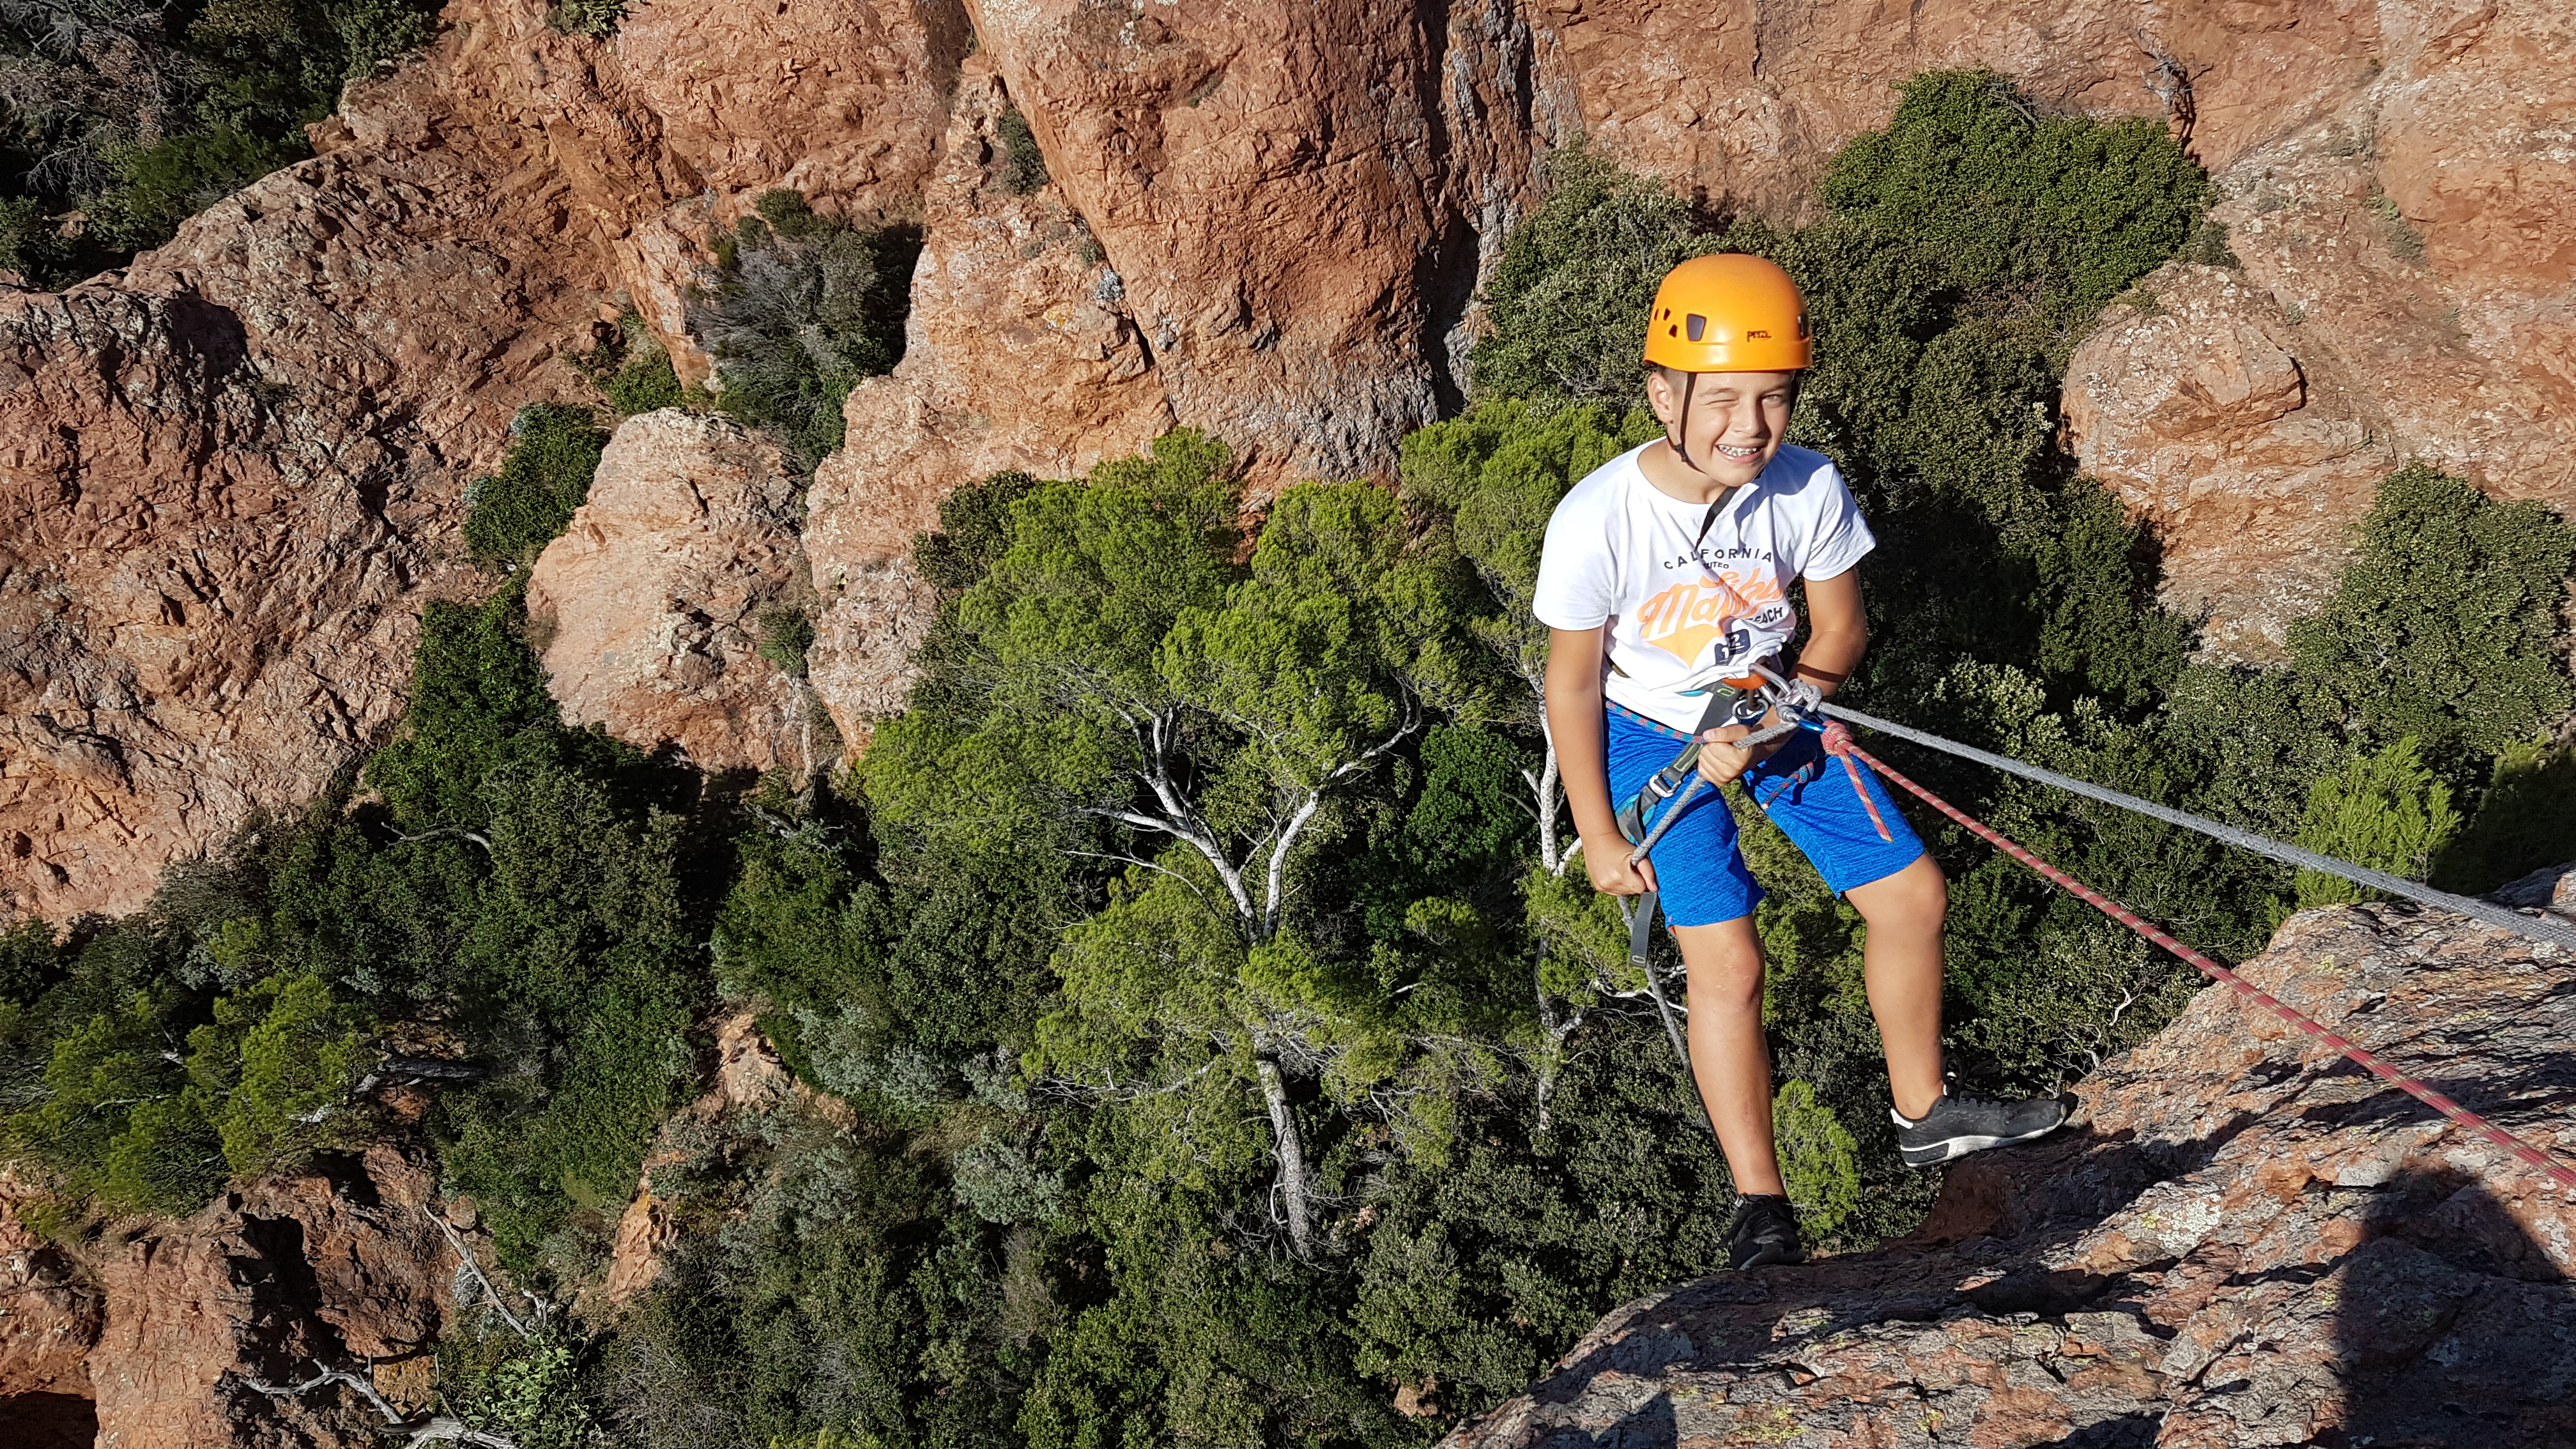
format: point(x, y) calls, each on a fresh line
point(1737, 419)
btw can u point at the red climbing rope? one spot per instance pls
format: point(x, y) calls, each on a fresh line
point(2557, 1171)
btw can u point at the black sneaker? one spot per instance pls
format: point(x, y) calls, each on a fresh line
point(1957, 1126)
point(1765, 1232)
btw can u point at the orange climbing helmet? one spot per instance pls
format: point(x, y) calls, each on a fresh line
point(1729, 313)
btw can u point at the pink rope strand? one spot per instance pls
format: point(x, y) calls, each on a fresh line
point(2557, 1171)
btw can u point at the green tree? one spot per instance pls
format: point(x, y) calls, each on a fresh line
point(1493, 478)
point(117, 1121)
point(2385, 810)
point(277, 1068)
point(1568, 299)
point(1140, 678)
point(2445, 627)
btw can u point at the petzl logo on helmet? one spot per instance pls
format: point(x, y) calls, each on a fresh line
point(1684, 619)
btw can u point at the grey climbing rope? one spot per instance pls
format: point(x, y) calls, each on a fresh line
point(2378, 880)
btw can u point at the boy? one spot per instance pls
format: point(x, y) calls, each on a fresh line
point(1666, 565)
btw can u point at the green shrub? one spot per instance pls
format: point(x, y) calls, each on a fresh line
point(478, 707)
point(1567, 302)
point(512, 515)
point(802, 307)
point(375, 32)
point(2525, 820)
point(1023, 165)
point(632, 370)
point(137, 116)
point(844, 1302)
point(785, 636)
point(154, 188)
point(1475, 1276)
point(32, 958)
point(32, 245)
point(595, 18)
point(538, 889)
point(2383, 810)
point(2059, 214)
point(528, 1391)
point(1819, 1161)
point(2445, 627)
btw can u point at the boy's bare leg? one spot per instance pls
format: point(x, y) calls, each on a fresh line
point(1729, 1058)
point(1902, 965)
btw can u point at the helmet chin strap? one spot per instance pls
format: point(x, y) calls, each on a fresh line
point(1680, 436)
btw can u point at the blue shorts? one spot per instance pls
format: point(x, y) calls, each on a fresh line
point(1815, 798)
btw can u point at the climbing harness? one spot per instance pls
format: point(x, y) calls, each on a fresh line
point(1673, 786)
point(1798, 706)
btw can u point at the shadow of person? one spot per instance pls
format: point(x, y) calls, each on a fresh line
point(2452, 1325)
point(1650, 1426)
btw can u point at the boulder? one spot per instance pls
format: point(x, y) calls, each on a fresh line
point(2408, 251)
point(2242, 1239)
point(153, 1337)
point(652, 607)
point(2204, 407)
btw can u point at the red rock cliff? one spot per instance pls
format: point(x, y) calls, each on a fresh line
point(231, 474)
point(156, 1339)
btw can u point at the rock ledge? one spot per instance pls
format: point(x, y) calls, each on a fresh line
point(2244, 1240)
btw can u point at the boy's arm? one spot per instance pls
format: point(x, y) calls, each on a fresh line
point(1576, 723)
point(1837, 631)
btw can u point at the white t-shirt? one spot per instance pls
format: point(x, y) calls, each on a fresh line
point(1622, 553)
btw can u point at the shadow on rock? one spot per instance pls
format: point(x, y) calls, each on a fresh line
point(2129, 1431)
point(1652, 1426)
point(48, 1421)
point(2452, 1326)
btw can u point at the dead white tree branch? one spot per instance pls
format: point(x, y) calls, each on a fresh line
point(465, 1255)
point(437, 1429)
